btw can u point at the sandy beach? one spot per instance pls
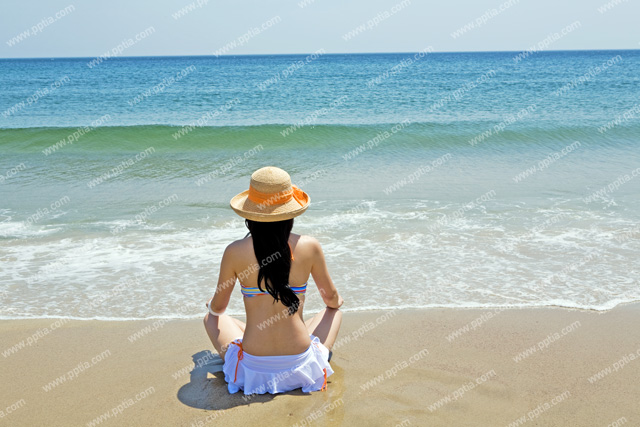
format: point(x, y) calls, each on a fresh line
point(545, 366)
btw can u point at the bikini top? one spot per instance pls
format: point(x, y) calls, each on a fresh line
point(249, 292)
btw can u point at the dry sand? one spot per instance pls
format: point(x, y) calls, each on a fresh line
point(399, 368)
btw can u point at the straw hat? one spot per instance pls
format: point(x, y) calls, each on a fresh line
point(271, 197)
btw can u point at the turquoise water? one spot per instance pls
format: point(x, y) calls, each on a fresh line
point(457, 180)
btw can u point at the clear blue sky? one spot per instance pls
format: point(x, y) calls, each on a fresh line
point(94, 27)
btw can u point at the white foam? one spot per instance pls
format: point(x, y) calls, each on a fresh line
point(382, 256)
point(19, 229)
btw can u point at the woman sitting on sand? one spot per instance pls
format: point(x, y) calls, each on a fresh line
point(276, 351)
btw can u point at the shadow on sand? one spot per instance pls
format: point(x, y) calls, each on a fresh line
point(210, 392)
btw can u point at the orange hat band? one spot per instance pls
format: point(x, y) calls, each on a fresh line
point(268, 199)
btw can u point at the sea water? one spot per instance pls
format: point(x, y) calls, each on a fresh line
point(436, 179)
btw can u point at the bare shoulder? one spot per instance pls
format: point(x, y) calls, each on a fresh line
point(309, 244)
point(238, 248)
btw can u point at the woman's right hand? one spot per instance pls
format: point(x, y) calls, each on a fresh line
point(340, 302)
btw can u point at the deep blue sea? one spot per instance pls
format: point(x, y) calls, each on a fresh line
point(436, 179)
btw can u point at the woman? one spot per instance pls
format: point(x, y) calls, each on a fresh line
point(275, 351)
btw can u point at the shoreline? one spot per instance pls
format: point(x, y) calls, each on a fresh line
point(356, 310)
point(435, 366)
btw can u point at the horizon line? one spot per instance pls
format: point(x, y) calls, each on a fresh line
point(310, 53)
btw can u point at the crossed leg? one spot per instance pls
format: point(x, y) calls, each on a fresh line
point(222, 330)
point(325, 325)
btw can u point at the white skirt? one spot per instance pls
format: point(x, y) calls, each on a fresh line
point(277, 374)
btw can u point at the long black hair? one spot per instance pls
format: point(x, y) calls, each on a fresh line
point(271, 247)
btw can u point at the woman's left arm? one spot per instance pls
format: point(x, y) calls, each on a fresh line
point(226, 282)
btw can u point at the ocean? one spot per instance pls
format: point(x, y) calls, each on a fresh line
point(487, 179)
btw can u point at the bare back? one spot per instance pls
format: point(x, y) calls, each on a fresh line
point(270, 330)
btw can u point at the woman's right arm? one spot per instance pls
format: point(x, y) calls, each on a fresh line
point(320, 274)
